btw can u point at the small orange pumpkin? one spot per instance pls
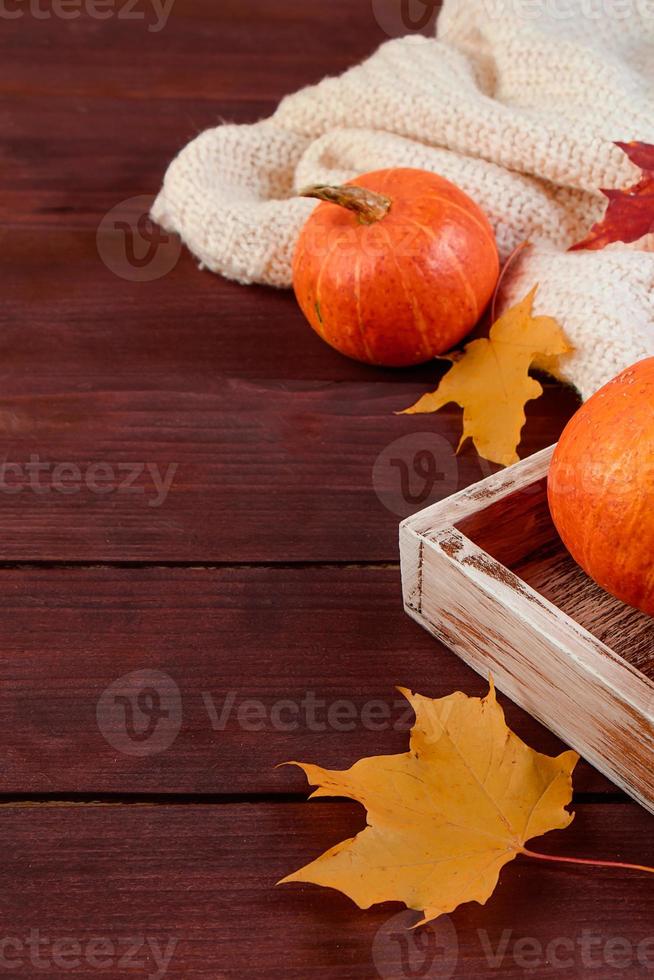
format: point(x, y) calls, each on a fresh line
point(601, 486)
point(394, 267)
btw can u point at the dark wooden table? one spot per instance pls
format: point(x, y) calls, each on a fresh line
point(163, 649)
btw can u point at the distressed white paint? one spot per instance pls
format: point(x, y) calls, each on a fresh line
point(592, 697)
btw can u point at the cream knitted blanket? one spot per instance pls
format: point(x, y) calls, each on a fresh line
point(519, 102)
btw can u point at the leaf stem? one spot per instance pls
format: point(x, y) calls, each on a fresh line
point(596, 864)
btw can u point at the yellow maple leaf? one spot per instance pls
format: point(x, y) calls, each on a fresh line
point(445, 817)
point(491, 381)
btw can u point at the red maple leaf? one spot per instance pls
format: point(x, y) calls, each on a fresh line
point(630, 214)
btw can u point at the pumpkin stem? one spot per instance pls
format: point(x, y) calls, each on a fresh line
point(368, 206)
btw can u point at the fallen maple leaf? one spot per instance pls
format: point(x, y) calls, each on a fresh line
point(491, 381)
point(630, 213)
point(444, 818)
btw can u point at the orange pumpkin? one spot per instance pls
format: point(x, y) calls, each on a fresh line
point(394, 267)
point(601, 486)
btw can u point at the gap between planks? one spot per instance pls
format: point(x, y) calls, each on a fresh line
point(54, 564)
point(230, 799)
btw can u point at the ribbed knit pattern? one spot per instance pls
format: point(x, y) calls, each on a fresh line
point(519, 103)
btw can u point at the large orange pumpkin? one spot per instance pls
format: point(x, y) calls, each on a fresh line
point(601, 486)
point(395, 267)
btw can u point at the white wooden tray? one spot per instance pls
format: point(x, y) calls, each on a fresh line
point(486, 572)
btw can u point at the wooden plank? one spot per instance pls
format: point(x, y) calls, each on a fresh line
point(59, 151)
point(274, 435)
point(238, 472)
point(86, 325)
point(202, 49)
point(197, 884)
point(263, 665)
point(113, 102)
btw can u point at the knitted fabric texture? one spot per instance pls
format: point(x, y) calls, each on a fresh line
point(521, 110)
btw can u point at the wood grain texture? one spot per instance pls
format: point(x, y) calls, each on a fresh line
point(87, 326)
point(276, 437)
point(202, 878)
point(271, 664)
point(553, 573)
point(203, 52)
point(116, 100)
point(181, 372)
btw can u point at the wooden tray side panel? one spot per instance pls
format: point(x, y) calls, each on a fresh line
point(539, 657)
point(477, 498)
